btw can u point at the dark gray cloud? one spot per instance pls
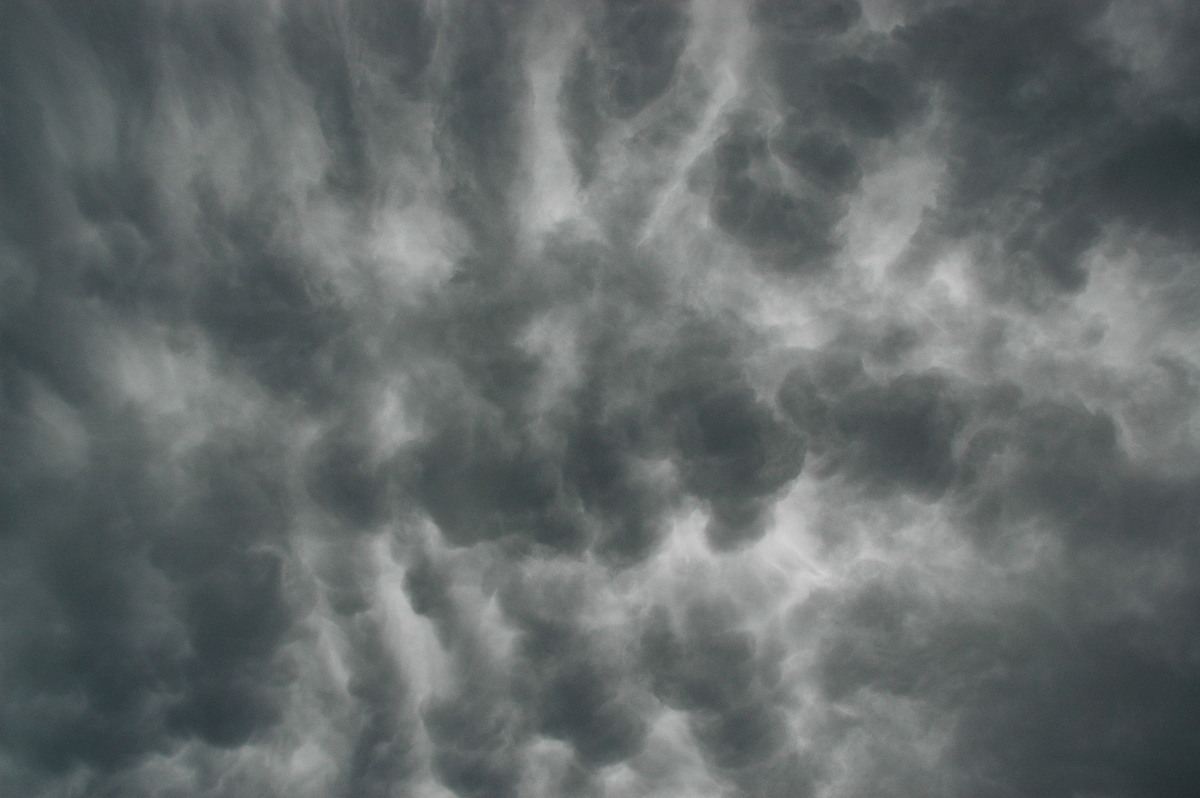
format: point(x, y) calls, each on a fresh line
point(1046, 147)
point(628, 397)
point(752, 204)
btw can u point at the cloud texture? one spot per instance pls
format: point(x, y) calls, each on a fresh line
point(599, 398)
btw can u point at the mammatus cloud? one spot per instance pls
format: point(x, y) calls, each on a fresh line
point(613, 398)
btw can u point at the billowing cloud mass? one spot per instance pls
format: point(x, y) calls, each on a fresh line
point(434, 398)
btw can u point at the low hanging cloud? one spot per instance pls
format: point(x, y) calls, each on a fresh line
point(604, 398)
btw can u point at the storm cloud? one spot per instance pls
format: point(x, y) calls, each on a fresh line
point(599, 398)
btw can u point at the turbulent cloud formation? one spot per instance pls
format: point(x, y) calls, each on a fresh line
point(602, 398)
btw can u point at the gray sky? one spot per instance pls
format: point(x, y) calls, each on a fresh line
point(599, 398)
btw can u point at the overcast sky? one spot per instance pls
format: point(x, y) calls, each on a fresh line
point(601, 398)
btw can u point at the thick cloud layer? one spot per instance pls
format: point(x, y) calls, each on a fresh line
point(604, 398)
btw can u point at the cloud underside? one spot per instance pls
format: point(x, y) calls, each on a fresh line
point(608, 398)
